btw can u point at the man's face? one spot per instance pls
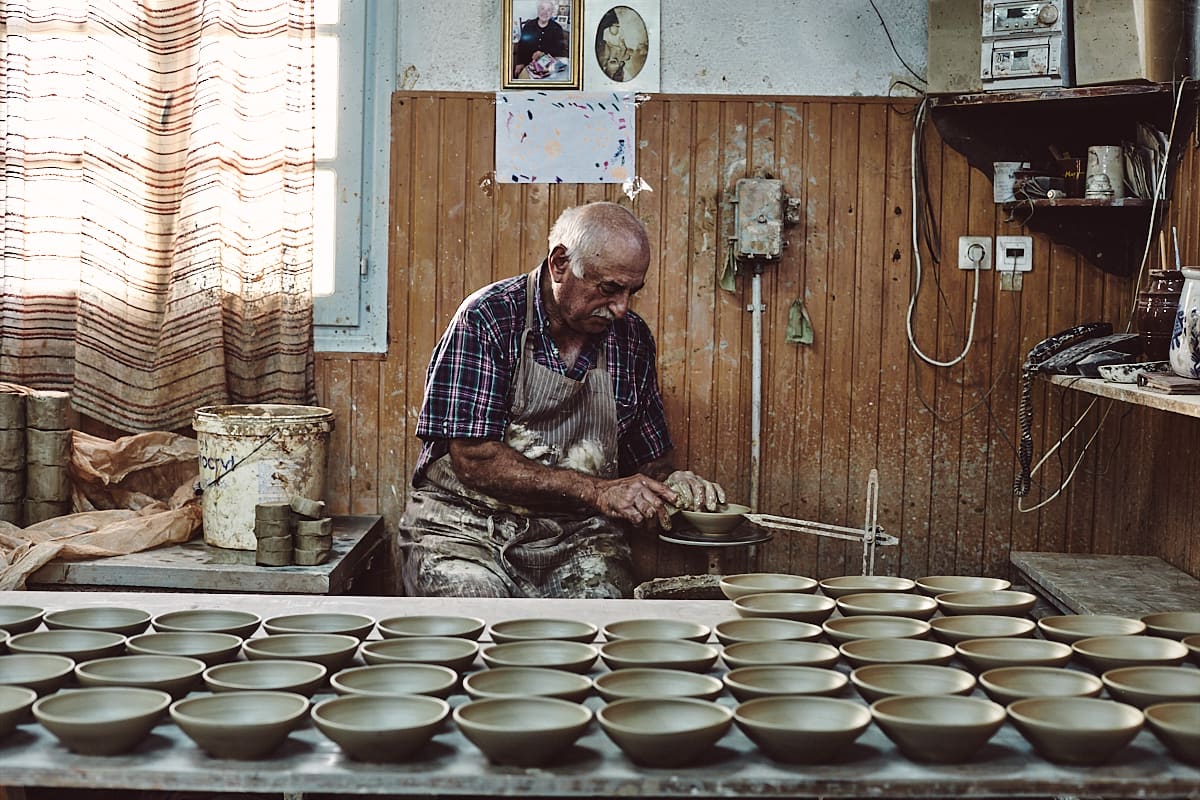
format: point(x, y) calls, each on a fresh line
point(591, 303)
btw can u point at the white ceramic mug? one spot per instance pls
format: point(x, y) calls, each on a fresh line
point(1107, 160)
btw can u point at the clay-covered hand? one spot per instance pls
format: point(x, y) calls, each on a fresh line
point(695, 493)
point(637, 499)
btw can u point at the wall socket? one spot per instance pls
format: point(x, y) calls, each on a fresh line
point(1014, 253)
point(973, 251)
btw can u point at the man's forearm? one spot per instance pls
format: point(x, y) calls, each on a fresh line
point(498, 470)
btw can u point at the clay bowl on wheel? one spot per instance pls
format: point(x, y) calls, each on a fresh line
point(20, 619)
point(1008, 684)
point(1147, 686)
point(550, 653)
point(209, 620)
point(748, 683)
point(764, 629)
point(811, 608)
point(862, 652)
point(665, 731)
point(856, 584)
point(434, 680)
point(334, 651)
point(953, 630)
point(659, 653)
point(1171, 624)
point(938, 584)
point(734, 586)
point(1103, 653)
point(380, 728)
point(1073, 627)
point(877, 681)
point(984, 654)
point(15, 702)
point(175, 675)
point(787, 652)
point(891, 604)
point(528, 682)
point(77, 645)
point(431, 625)
point(1082, 731)
point(357, 625)
point(449, 651)
point(102, 721)
point(266, 675)
point(535, 629)
point(999, 601)
point(522, 731)
point(42, 672)
point(716, 523)
point(241, 725)
point(116, 619)
point(811, 730)
point(1177, 725)
point(651, 628)
point(655, 682)
point(210, 647)
point(874, 626)
point(940, 729)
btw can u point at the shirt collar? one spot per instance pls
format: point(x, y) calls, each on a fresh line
point(541, 320)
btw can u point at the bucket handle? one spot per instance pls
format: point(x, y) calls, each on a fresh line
point(199, 488)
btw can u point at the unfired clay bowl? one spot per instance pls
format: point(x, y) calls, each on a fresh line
point(985, 654)
point(42, 672)
point(550, 653)
point(665, 731)
point(811, 608)
point(380, 728)
point(522, 731)
point(874, 626)
point(719, 522)
point(855, 584)
point(787, 652)
point(1008, 684)
point(810, 730)
point(434, 680)
point(175, 675)
point(661, 653)
point(953, 630)
point(449, 651)
point(357, 625)
point(999, 601)
point(269, 675)
point(240, 725)
point(862, 652)
point(1148, 686)
point(528, 682)
point(1177, 725)
point(764, 629)
point(1103, 653)
point(1073, 627)
point(15, 702)
point(101, 721)
point(209, 647)
point(1192, 643)
point(117, 619)
point(938, 584)
point(211, 620)
point(523, 630)
point(332, 650)
point(431, 625)
point(941, 729)
point(1172, 624)
point(892, 604)
point(734, 586)
point(656, 629)
point(78, 645)
point(1082, 731)
point(20, 619)
point(748, 683)
point(877, 681)
point(654, 682)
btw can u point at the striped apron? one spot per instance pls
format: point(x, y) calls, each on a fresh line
point(460, 543)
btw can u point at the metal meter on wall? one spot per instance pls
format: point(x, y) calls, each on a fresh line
point(1025, 44)
point(759, 218)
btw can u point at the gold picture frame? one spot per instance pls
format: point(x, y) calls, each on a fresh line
point(540, 44)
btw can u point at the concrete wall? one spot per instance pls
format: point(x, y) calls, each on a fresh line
point(774, 47)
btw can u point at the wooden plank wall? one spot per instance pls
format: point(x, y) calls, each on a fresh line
point(942, 439)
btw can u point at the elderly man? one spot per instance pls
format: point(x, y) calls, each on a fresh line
point(544, 438)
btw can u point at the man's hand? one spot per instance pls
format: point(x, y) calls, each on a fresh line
point(695, 493)
point(637, 499)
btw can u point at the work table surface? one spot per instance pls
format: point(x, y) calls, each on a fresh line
point(450, 765)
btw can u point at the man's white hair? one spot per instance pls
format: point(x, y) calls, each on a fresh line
point(584, 230)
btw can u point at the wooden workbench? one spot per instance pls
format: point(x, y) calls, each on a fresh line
point(450, 765)
point(1129, 586)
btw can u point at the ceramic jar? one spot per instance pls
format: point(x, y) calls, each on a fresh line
point(1184, 353)
point(1155, 312)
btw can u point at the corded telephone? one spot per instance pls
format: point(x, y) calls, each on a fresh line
point(1080, 350)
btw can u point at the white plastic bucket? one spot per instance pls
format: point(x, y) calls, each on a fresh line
point(252, 454)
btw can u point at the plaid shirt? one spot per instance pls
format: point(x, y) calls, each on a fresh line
point(469, 380)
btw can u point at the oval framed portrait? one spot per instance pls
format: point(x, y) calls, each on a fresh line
point(620, 46)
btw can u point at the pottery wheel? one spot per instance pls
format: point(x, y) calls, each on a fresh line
point(713, 545)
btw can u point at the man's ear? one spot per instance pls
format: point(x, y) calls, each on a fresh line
point(560, 265)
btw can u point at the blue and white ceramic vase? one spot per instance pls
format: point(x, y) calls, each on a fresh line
point(1184, 354)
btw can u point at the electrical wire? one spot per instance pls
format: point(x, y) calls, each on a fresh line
point(888, 34)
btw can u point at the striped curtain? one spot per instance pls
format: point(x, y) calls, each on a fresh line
point(156, 178)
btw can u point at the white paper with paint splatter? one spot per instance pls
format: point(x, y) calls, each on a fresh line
point(564, 137)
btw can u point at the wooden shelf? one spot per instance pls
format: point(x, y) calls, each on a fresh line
point(1081, 202)
point(1055, 94)
point(1188, 405)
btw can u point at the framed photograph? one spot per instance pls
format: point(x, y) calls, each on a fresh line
point(540, 47)
point(621, 45)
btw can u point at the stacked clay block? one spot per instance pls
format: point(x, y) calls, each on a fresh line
point(273, 523)
point(312, 539)
point(48, 447)
point(12, 456)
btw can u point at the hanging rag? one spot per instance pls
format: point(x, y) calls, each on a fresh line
point(728, 270)
point(799, 327)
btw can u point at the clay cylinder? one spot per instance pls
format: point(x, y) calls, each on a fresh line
point(272, 529)
point(12, 485)
point(12, 410)
point(47, 482)
point(41, 510)
point(12, 448)
point(309, 558)
point(1154, 312)
point(48, 447)
point(48, 411)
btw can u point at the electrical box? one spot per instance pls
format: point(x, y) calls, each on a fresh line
point(758, 218)
point(1014, 253)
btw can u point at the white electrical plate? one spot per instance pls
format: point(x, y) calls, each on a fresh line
point(972, 249)
point(1014, 253)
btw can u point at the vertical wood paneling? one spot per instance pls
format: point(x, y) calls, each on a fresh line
point(943, 439)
